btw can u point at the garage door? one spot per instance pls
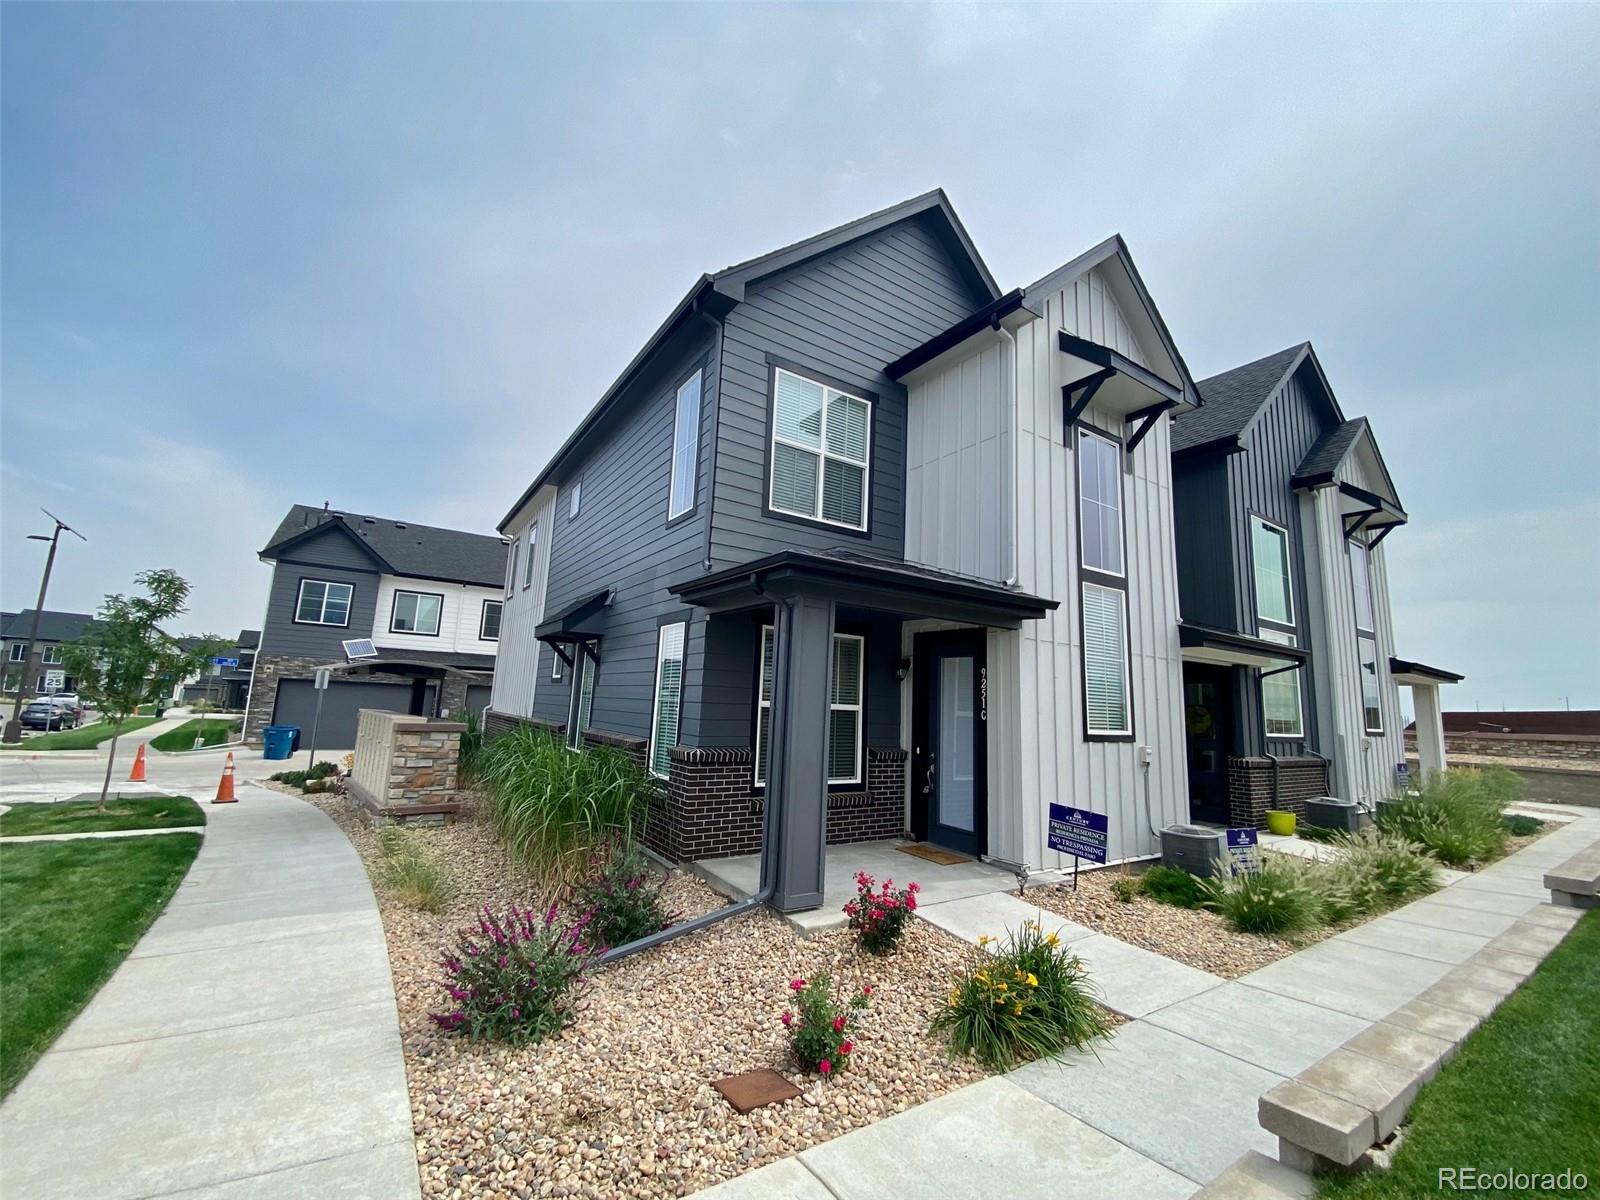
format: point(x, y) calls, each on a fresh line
point(477, 696)
point(296, 704)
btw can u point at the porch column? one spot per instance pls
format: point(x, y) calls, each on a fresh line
point(797, 783)
point(1430, 729)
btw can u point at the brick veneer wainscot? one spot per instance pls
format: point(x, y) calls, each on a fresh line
point(1250, 788)
point(270, 668)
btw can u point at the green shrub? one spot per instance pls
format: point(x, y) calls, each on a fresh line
point(1282, 898)
point(517, 978)
point(819, 1034)
point(623, 899)
point(299, 779)
point(1030, 1000)
point(1126, 888)
point(1315, 833)
point(1518, 825)
point(411, 871)
point(556, 808)
point(1171, 885)
point(471, 748)
point(1457, 815)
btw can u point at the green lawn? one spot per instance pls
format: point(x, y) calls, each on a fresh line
point(211, 731)
point(84, 737)
point(1523, 1094)
point(69, 913)
point(79, 816)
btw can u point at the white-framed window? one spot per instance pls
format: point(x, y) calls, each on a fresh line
point(669, 697)
point(51, 656)
point(582, 700)
point(322, 602)
point(574, 500)
point(1361, 584)
point(1269, 556)
point(511, 567)
point(821, 450)
point(1107, 706)
point(1371, 696)
point(846, 691)
point(1280, 695)
point(557, 667)
point(18, 651)
point(1100, 503)
point(416, 612)
point(685, 448)
point(489, 621)
point(533, 547)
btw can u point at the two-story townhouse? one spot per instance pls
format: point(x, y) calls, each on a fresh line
point(227, 687)
point(47, 672)
point(1291, 687)
point(407, 615)
point(816, 556)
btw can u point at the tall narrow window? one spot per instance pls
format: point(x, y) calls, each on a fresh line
point(1100, 502)
point(669, 697)
point(685, 448)
point(574, 500)
point(556, 663)
point(1371, 696)
point(511, 568)
point(533, 546)
point(821, 445)
point(1280, 695)
point(1107, 711)
point(1269, 554)
point(582, 698)
point(846, 691)
point(1361, 584)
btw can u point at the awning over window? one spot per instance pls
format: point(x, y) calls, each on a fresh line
point(1203, 644)
point(580, 624)
point(1413, 674)
point(1113, 381)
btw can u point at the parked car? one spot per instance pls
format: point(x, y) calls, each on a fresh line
point(49, 714)
point(69, 701)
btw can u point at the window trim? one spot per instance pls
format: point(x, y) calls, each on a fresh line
point(511, 567)
point(1291, 624)
point(870, 399)
point(858, 779)
point(483, 619)
point(576, 726)
point(533, 554)
point(299, 597)
point(45, 652)
point(1116, 443)
point(575, 499)
point(394, 611)
point(1106, 735)
point(1284, 638)
point(1377, 683)
point(655, 707)
point(557, 666)
point(1366, 571)
point(675, 513)
point(18, 652)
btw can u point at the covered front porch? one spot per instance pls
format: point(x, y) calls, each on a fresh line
point(923, 773)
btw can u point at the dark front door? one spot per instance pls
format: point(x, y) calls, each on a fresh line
point(1208, 721)
point(949, 764)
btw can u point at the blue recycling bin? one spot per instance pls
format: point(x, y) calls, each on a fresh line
point(279, 741)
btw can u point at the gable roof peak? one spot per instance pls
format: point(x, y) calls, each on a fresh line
point(1234, 397)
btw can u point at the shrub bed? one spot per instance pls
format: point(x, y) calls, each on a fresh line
point(1458, 815)
point(623, 900)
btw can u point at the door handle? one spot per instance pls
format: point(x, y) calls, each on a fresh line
point(927, 785)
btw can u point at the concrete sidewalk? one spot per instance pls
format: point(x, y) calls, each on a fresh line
point(1171, 1101)
point(248, 1047)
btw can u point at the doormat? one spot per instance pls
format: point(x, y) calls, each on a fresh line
point(755, 1089)
point(934, 854)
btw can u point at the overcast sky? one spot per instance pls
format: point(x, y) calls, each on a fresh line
point(386, 256)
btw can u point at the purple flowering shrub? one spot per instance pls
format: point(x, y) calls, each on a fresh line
point(622, 899)
point(517, 977)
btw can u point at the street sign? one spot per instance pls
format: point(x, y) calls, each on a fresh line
point(54, 681)
point(1244, 852)
point(224, 662)
point(1078, 832)
point(321, 681)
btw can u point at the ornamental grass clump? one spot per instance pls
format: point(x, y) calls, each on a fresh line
point(1458, 815)
point(1282, 898)
point(555, 808)
point(879, 914)
point(819, 1026)
point(516, 978)
point(411, 871)
point(1380, 869)
point(623, 899)
point(1029, 1000)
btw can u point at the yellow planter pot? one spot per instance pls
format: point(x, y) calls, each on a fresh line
point(1280, 822)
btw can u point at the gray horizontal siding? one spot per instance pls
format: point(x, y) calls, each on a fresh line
point(334, 557)
point(844, 315)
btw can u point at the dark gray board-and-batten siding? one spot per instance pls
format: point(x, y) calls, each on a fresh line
point(333, 557)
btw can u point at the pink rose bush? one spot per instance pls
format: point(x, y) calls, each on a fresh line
point(819, 1025)
point(879, 914)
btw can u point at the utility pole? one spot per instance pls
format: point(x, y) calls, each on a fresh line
point(13, 730)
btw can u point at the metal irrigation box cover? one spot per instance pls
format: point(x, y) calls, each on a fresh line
point(1078, 832)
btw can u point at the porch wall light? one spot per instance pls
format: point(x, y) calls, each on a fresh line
point(902, 669)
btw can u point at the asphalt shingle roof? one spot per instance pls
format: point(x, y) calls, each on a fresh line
point(1232, 399)
point(1329, 450)
point(425, 551)
point(53, 626)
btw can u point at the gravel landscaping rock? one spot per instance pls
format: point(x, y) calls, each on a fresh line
point(622, 1103)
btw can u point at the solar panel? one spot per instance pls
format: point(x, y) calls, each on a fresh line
point(360, 648)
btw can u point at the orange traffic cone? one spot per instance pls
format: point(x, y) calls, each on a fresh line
point(138, 766)
point(225, 786)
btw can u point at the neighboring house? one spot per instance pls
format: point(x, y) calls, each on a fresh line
point(47, 673)
point(1290, 681)
point(820, 545)
point(427, 599)
point(226, 687)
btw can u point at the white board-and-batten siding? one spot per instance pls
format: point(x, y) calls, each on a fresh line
point(460, 616)
point(516, 668)
point(991, 491)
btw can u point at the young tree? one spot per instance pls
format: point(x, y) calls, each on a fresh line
point(126, 658)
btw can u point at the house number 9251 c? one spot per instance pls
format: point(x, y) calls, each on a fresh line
point(983, 693)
